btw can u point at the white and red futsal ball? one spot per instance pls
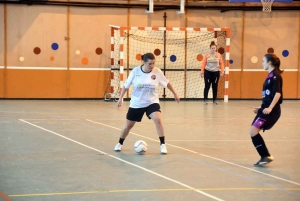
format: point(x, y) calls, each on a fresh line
point(140, 146)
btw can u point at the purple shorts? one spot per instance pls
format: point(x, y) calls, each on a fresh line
point(266, 121)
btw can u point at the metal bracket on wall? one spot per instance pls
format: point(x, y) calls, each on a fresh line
point(181, 7)
point(150, 9)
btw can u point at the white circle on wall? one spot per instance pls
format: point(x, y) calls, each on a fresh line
point(21, 58)
point(77, 52)
point(254, 59)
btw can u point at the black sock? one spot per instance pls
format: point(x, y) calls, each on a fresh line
point(162, 140)
point(121, 141)
point(260, 145)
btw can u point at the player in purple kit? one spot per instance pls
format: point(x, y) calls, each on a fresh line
point(269, 112)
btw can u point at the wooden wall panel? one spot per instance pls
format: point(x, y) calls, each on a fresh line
point(89, 30)
point(89, 84)
point(2, 83)
point(36, 83)
point(2, 32)
point(290, 84)
point(235, 84)
point(31, 32)
point(33, 26)
point(277, 30)
point(252, 83)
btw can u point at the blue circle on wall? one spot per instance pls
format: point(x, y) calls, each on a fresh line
point(231, 61)
point(54, 46)
point(285, 53)
point(173, 58)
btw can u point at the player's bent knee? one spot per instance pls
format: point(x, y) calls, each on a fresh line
point(254, 131)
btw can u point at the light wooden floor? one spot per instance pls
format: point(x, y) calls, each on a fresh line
point(63, 150)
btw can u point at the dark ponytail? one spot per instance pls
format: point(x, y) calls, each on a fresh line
point(275, 61)
point(148, 56)
point(212, 44)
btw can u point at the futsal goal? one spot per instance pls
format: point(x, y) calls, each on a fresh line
point(178, 51)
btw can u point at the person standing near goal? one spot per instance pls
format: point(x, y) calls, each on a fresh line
point(211, 65)
point(144, 99)
point(269, 112)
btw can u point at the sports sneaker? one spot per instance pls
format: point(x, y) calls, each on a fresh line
point(264, 161)
point(215, 103)
point(163, 149)
point(205, 102)
point(118, 147)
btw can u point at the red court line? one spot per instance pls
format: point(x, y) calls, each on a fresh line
point(5, 197)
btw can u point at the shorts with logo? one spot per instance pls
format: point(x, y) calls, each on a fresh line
point(136, 114)
point(266, 121)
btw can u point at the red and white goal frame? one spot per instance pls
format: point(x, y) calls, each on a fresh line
point(122, 31)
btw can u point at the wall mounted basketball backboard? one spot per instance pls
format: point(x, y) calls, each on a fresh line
point(267, 4)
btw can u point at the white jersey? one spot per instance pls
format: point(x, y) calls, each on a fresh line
point(145, 91)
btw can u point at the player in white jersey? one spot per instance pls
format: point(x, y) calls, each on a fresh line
point(144, 98)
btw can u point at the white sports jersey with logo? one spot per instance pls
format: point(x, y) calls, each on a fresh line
point(145, 91)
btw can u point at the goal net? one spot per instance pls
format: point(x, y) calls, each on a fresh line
point(178, 53)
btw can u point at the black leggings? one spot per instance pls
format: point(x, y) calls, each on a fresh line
point(211, 78)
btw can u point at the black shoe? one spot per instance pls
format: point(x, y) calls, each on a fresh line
point(264, 161)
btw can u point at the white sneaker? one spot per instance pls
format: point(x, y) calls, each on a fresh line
point(118, 147)
point(163, 149)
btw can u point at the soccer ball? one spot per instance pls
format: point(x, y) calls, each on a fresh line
point(140, 146)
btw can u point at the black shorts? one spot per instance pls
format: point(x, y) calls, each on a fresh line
point(266, 121)
point(136, 114)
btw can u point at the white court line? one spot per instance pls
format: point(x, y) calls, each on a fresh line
point(129, 163)
point(53, 119)
point(269, 175)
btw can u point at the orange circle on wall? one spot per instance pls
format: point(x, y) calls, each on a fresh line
point(84, 61)
point(199, 57)
point(52, 58)
point(138, 57)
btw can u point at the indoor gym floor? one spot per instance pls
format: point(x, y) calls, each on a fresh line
point(62, 150)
